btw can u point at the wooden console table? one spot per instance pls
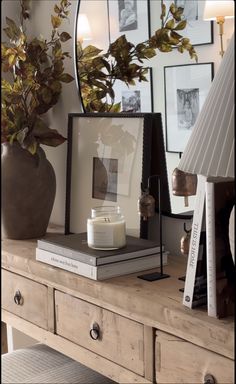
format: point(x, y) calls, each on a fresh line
point(128, 329)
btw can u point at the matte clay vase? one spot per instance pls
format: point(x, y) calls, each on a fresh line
point(28, 192)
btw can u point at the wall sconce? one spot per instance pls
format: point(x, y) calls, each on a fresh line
point(146, 209)
point(219, 11)
point(83, 28)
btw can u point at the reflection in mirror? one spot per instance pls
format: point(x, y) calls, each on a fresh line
point(106, 29)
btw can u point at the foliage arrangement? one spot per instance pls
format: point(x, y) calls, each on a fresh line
point(124, 61)
point(36, 71)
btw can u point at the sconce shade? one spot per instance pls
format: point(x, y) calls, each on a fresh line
point(213, 9)
point(210, 148)
point(83, 28)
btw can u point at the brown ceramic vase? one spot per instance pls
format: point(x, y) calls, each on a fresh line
point(28, 192)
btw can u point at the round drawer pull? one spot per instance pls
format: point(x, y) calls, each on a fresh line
point(94, 331)
point(209, 379)
point(18, 298)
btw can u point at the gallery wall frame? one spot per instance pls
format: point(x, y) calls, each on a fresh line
point(199, 31)
point(186, 88)
point(135, 98)
point(109, 155)
point(131, 19)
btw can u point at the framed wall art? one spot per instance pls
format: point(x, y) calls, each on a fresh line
point(135, 98)
point(186, 87)
point(197, 30)
point(109, 156)
point(130, 18)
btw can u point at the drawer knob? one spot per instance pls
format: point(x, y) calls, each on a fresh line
point(209, 379)
point(94, 331)
point(18, 298)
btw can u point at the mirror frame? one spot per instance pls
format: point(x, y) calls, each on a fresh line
point(184, 215)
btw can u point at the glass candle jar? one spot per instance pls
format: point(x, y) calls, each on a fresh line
point(106, 228)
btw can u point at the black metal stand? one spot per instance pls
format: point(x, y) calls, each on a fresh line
point(157, 275)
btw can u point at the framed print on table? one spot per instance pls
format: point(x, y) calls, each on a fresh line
point(135, 98)
point(186, 88)
point(199, 31)
point(130, 18)
point(109, 156)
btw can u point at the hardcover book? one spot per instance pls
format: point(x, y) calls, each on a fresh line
point(75, 247)
point(101, 272)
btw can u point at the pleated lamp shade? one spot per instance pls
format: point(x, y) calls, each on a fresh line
point(210, 148)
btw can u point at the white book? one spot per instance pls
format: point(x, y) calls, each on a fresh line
point(194, 242)
point(211, 250)
point(101, 272)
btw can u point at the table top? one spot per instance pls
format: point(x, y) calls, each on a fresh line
point(157, 304)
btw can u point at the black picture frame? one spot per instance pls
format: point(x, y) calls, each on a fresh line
point(134, 139)
point(186, 84)
point(199, 31)
point(138, 30)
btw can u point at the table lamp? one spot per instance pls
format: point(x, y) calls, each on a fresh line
point(209, 153)
point(219, 11)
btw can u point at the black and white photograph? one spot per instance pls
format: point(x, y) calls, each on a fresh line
point(187, 107)
point(199, 31)
point(107, 160)
point(129, 18)
point(131, 101)
point(105, 172)
point(186, 88)
point(127, 15)
point(135, 98)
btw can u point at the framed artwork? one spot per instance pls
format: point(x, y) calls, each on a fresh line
point(197, 30)
point(130, 18)
point(186, 88)
point(135, 98)
point(109, 156)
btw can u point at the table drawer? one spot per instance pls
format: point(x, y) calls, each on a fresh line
point(178, 361)
point(25, 298)
point(119, 339)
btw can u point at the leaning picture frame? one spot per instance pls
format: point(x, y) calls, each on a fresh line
point(135, 98)
point(199, 31)
point(130, 18)
point(109, 157)
point(186, 88)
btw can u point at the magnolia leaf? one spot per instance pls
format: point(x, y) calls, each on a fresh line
point(170, 24)
point(64, 36)
point(32, 147)
point(181, 25)
point(46, 95)
point(56, 21)
point(66, 78)
point(116, 107)
point(21, 135)
point(91, 51)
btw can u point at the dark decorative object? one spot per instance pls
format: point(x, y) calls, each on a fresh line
point(130, 148)
point(35, 69)
point(146, 207)
point(184, 184)
point(26, 201)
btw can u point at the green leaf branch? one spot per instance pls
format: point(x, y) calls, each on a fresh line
point(125, 61)
point(36, 68)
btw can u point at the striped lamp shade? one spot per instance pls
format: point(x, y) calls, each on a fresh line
point(210, 148)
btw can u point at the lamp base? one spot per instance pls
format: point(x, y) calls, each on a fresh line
point(153, 276)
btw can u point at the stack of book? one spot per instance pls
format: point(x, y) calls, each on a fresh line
point(71, 252)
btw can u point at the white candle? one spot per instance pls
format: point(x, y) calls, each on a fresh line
point(106, 231)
